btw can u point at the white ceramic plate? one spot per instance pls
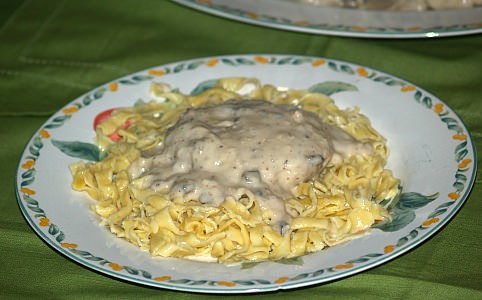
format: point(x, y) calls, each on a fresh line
point(307, 18)
point(432, 153)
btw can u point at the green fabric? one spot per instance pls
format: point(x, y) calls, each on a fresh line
point(53, 51)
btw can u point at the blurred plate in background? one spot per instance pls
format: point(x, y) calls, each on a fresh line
point(289, 15)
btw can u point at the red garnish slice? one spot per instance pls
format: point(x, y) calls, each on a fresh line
point(101, 117)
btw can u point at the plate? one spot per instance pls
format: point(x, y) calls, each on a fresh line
point(307, 18)
point(431, 151)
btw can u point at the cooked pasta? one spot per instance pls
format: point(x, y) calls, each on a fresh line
point(155, 196)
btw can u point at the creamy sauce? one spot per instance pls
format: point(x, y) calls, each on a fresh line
point(244, 147)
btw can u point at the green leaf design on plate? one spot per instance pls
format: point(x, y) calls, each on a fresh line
point(452, 124)
point(441, 209)
point(27, 182)
point(87, 100)
point(126, 82)
point(203, 86)
point(244, 282)
point(78, 105)
point(418, 95)
point(413, 234)
point(95, 258)
point(381, 79)
point(285, 61)
point(460, 176)
point(99, 93)
point(30, 173)
point(402, 241)
point(30, 201)
point(395, 82)
point(404, 211)
point(178, 68)
point(347, 69)
point(249, 265)
point(30, 157)
point(364, 258)
point(53, 229)
point(37, 142)
point(34, 151)
point(80, 150)
point(228, 62)
point(300, 61)
point(195, 65)
point(399, 221)
point(199, 282)
point(459, 186)
point(300, 276)
point(60, 237)
point(180, 281)
point(437, 212)
point(58, 121)
point(262, 281)
point(131, 271)
point(140, 78)
point(412, 200)
point(427, 101)
point(332, 87)
point(244, 61)
point(286, 261)
point(333, 66)
point(291, 261)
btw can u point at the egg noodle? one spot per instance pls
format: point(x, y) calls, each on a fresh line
point(340, 204)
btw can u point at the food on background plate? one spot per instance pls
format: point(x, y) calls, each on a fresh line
point(395, 5)
point(237, 171)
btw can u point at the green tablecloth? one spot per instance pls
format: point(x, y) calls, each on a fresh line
point(53, 51)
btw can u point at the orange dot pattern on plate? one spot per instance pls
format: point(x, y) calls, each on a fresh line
point(44, 133)
point(344, 266)
point(388, 249)
point(113, 87)
point(362, 72)
point(261, 59)
point(318, 62)
point(407, 88)
point(68, 245)
point(27, 191)
point(431, 221)
point(438, 108)
point(212, 62)
point(44, 222)
point(463, 164)
point(28, 164)
point(226, 283)
point(162, 278)
point(70, 110)
point(157, 72)
point(115, 267)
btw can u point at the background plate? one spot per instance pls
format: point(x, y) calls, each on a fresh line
point(288, 15)
point(431, 151)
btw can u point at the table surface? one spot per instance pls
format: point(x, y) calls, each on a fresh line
point(53, 51)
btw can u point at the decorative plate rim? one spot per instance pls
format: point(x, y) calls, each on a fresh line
point(50, 233)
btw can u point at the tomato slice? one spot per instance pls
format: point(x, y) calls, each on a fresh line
point(101, 117)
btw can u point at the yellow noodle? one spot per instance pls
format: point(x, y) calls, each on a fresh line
point(339, 205)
